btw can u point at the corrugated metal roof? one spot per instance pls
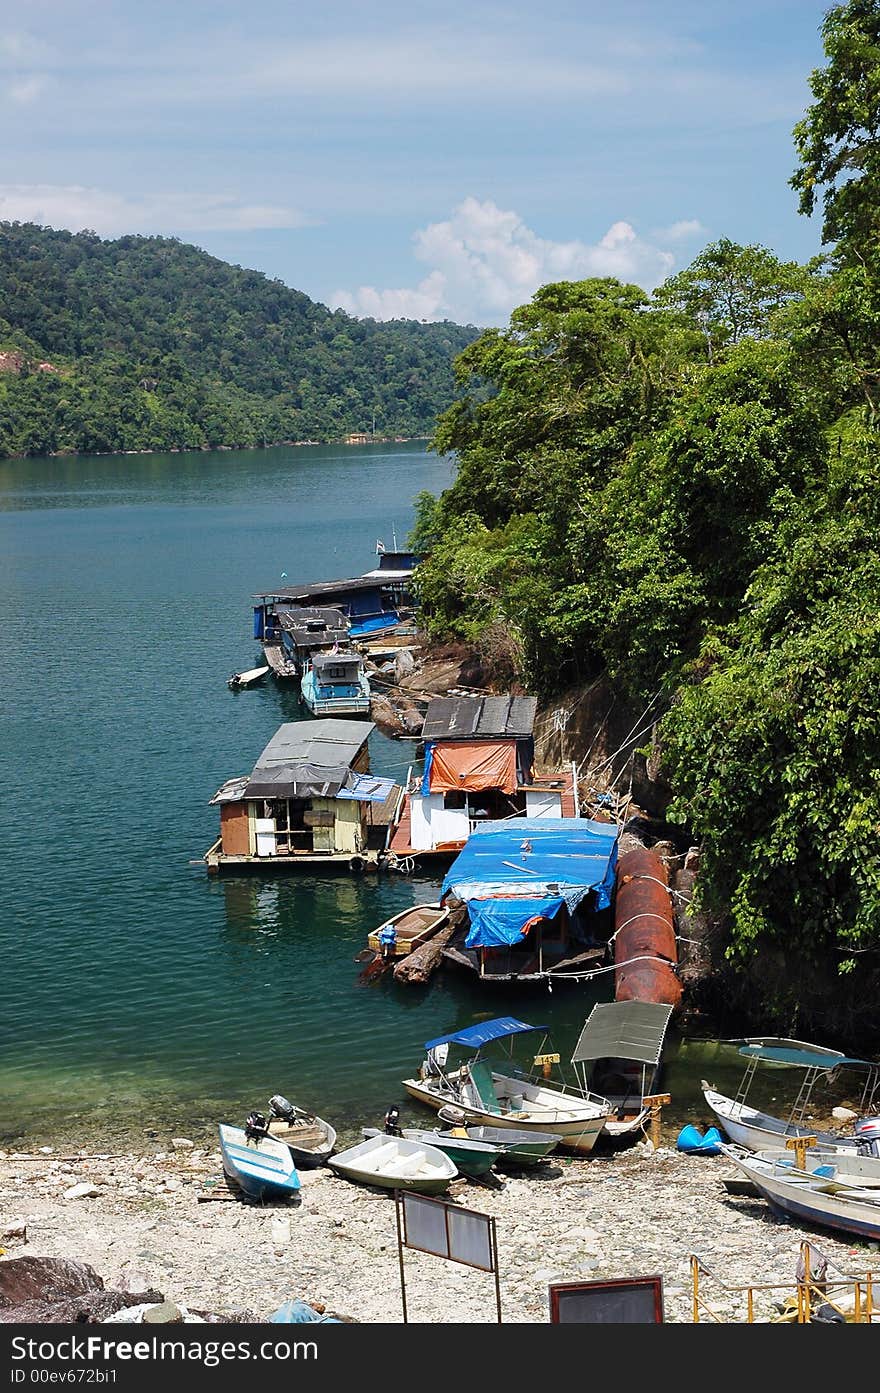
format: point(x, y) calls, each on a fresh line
point(624, 1030)
point(325, 742)
point(319, 588)
point(479, 717)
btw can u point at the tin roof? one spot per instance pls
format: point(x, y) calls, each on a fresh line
point(479, 717)
point(325, 742)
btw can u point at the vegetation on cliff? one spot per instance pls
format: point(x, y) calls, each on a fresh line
point(682, 490)
point(149, 343)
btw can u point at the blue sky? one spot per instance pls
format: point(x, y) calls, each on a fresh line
point(425, 159)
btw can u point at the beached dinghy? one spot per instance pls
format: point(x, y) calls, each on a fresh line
point(516, 1148)
point(260, 1165)
point(396, 1164)
point(308, 1137)
point(488, 1097)
point(816, 1195)
point(469, 1156)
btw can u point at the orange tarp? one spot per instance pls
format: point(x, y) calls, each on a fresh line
point(473, 765)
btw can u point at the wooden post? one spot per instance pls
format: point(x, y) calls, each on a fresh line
point(799, 1146)
point(656, 1102)
point(695, 1279)
point(546, 1062)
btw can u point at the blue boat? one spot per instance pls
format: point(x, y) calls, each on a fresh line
point(260, 1165)
point(336, 684)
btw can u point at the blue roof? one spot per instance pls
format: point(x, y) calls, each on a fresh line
point(800, 1054)
point(473, 1036)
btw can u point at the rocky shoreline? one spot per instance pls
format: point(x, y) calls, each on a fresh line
point(165, 1222)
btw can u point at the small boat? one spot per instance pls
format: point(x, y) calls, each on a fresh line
point(409, 929)
point(308, 1137)
point(491, 1098)
point(469, 1156)
point(619, 1055)
point(246, 679)
point(336, 684)
point(815, 1196)
point(259, 1164)
point(849, 1167)
point(396, 1164)
point(517, 1148)
point(749, 1127)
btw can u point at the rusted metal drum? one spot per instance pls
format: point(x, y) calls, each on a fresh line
point(644, 930)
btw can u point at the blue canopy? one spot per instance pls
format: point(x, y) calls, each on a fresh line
point(500, 923)
point(473, 1036)
point(800, 1054)
point(546, 861)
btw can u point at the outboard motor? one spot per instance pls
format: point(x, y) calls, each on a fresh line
point(256, 1126)
point(280, 1108)
point(867, 1135)
point(392, 1118)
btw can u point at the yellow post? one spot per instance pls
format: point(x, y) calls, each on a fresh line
point(857, 1308)
point(695, 1279)
point(799, 1146)
point(546, 1062)
point(805, 1249)
point(751, 1306)
point(869, 1297)
point(656, 1101)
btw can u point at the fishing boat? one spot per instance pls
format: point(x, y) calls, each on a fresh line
point(248, 678)
point(336, 684)
point(488, 1096)
point(408, 930)
point(257, 1163)
point(469, 1156)
point(618, 1055)
point(848, 1167)
point(308, 1137)
point(815, 1196)
point(517, 1148)
point(394, 1163)
point(756, 1130)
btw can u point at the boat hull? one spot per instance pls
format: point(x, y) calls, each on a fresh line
point(262, 1168)
point(394, 1163)
point(575, 1134)
point(848, 1210)
point(306, 1152)
point(758, 1131)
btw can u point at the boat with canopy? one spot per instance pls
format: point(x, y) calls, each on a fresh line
point(756, 1130)
point(618, 1056)
point(505, 1097)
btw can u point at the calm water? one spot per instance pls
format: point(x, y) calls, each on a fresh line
point(137, 991)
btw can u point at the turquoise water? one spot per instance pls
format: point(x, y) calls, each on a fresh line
point(137, 991)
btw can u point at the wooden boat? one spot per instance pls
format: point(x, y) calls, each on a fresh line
point(308, 1137)
point(810, 1195)
point(618, 1055)
point(409, 929)
point(247, 679)
point(396, 1164)
point(260, 1165)
point(469, 1156)
point(517, 1148)
point(489, 1097)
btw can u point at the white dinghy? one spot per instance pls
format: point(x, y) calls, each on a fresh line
point(396, 1164)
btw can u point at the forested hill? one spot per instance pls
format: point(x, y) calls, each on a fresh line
point(150, 343)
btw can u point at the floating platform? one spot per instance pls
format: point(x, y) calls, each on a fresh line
point(369, 860)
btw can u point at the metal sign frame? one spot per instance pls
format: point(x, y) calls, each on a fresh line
point(652, 1285)
point(405, 1198)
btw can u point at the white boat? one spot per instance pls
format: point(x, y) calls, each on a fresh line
point(812, 1197)
point(748, 1126)
point(247, 679)
point(336, 684)
point(396, 1164)
point(308, 1137)
point(483, 1094)
point(618, 1056)
point(848, 1167)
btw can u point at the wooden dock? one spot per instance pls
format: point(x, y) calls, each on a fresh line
point(281, 665)
point(369, 860)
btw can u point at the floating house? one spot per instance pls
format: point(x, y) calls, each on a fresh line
point(291, 637)
point(538, 893)
point(371, 603)
point(336, 684)
point(310, 799)
point(479, 765)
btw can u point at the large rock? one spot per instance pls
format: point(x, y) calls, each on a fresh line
point(58, 1291)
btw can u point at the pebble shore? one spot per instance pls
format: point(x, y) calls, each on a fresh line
point(140, 1222)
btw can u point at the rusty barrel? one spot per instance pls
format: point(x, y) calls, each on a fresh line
point(644, 929)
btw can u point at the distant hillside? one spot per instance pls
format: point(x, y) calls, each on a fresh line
point(149, 343)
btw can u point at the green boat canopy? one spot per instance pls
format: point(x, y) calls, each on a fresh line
point(624, 1030)
point(798, 1054)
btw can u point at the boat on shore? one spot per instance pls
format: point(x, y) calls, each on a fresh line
point(487, 1096)
point(516, 1148)
point(309, 1139)
point(393, 1163)
point(815, 1196)
point(619, 1056)
point(469, 1156)
point(257, 1163)
point(750, 1127)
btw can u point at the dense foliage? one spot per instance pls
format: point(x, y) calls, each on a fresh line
point(157, 345)
point(684, 491)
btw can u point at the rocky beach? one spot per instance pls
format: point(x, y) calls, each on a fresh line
point(164, 1222)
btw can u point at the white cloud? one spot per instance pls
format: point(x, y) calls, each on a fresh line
point(680, 231)
point(485, 261)
point(26, 89)
point(74, 206)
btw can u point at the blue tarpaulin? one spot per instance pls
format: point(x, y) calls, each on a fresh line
point(500, 923)
point(426, 772)
point(473, 1036)
point(373, 625)
point(547, 861)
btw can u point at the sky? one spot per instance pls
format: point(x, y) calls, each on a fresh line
point(426, 160)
